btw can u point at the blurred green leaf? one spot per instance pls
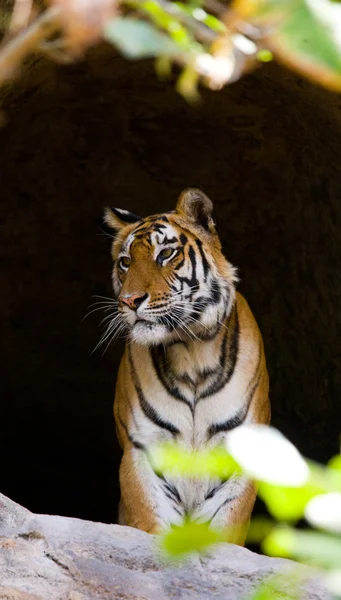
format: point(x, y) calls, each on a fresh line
point(266, 455)
point(138, 39)
point(301, 34)
point(307, 43)
point(171, 458)
point(282, 586)
point(189, 537)
point(335, 462)
point(187, 86)
point(287, 503)
point(264, 55)
point(307, 546)
point(324, 512)
point(163, 67)
point(201, 15)
point(167, 21)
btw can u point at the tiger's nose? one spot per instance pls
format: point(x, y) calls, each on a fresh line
point(133, 300)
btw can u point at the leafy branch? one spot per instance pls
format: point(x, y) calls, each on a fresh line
point(213, 43)
point(291, 487)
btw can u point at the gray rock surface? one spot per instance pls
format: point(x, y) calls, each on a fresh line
point(46, 557)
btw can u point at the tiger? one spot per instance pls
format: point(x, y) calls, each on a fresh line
point(193, 366)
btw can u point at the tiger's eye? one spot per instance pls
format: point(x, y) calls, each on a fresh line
point(124, 261)
point(167, 252)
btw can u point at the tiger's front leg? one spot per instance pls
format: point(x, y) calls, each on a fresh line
point(228, 510)
point(234, 517)
point(144, 503)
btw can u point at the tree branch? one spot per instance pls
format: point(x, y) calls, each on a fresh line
point(27, 41)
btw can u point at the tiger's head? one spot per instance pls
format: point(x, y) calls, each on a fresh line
point(169, 276)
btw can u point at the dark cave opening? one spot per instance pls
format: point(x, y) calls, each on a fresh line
point(266, 150)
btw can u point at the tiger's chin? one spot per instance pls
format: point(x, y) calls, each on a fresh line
point(149, 334)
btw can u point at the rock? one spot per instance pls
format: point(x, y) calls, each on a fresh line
point(46, 557)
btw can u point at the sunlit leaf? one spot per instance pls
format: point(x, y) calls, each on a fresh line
point(190, 537)
point(266, 455)
point(187, 84)
point(328, 479)
point(287, 503)
point(307, 44)
point(306, 546)
point(163, 67)
point(138, 39)
point(166, 16)
point(264, 55)
point(174, 460)
point(324, 511)
point(201, 15)
point(335, 463)
point(303, 34)
point(285, 586)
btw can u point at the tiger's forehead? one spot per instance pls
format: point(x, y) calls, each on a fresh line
point(153, 232)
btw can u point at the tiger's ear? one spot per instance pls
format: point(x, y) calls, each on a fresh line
point(118, 218)
point(195, 206)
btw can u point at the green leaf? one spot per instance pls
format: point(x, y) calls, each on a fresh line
point(306, 546)
point(301, 34)
point(190, 537)
point(187, 86)
point(199, 14)
point(307, 43)
point(335, 462)
point(264, 55)
point(284, 586)
point(167, 21)
point(175, 460)
point(287, 503)
point(163, 67)
point(138, 39)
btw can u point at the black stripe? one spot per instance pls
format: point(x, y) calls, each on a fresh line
point(174, 507)
point(233, 350)
point(212, 493)
point(159, 227)
point(180, 264)
point(229, 424)
point(169, 486)
point(241, 415)
point(215, 292)
point(164, 375)
point(134, 442)
point(205, 265)
point(173, 491)
point(223, 504)
point(193, 281)
point(228, 357)
point(147, 408)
